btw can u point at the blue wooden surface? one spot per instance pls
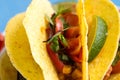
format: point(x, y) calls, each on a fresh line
point(9, 8)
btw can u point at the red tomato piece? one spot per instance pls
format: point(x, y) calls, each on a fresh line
point(54, 57)
point(74, 46)
point(49, 32)
point(72, 32)
point(116, 68)
point(59, 25)
point(1, 41)
point(77, 58)
point(71, 19)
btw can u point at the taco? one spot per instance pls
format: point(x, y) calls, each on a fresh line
point(7, 70)
point(58, 40)
point(100, 66)
point(18, 49)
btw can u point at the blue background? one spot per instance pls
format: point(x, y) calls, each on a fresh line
point(9, 8)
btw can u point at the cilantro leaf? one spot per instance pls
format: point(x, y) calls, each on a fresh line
point(63, 40)
point(64, 23)
point(63, 57)
point(62, 10)
point(49, 19)
point(117, 58)
point(55, 44)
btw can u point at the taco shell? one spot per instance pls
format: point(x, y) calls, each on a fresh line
point(83, 32)
point(35, 26)
point(108, 11)
point(18, 49)
point(115, 76)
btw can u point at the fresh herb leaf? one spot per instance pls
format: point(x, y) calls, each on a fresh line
point(117, 58)
point(49, 19)
point(51, 23)
point(65, 25)
point(53, 17)
point(62, 10)
point(63, 40)
point(57, 34)
point(55, 44)
point(63, 57)
point(52, 38)
point(59, 11)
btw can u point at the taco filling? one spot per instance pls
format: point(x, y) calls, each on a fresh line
point(63, 44)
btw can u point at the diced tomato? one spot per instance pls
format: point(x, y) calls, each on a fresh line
point(116, 68)
point(72, 32)
point(77, 58)
point(49, 32)
point(74, 46)
point(1, 41)
point(74, 43)
point(59, 25)
point(76, 51)
point(71, 19)
point(54, 57)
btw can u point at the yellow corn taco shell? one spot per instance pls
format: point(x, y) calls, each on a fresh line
point(83, 32)
point(18, 49)
point(108, 11)
point(35, 26)
point(116, 76)
point(7, 71)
